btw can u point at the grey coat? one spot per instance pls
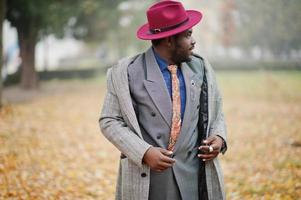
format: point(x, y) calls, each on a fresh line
point(120, 126)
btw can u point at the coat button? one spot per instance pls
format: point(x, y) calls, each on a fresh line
point(143, 174)
point(198, 107)
point(153, 114)
point(158, 137)
point(189, 152)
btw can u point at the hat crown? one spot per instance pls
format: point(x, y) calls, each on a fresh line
point(166, 14)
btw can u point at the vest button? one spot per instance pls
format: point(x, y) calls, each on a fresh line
point(143, 174)
point(153, 114)
point(198, 107)
point(158, 137)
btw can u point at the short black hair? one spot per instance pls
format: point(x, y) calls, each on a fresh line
point(157, 42)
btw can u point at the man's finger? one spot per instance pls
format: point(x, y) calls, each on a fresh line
point(208, 159)
point(215, 147)
point(209, 140)
point(168, 159)
point(206, 156)
point(204, 149)
point(165, 152)
point(165, 165)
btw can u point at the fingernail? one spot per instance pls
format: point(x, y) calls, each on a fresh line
point(204, 160)
point(205, 141)
point(170, 152)
point(199, 155)
point(199, 148)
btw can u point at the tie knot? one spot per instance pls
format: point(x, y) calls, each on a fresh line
point(172, 69)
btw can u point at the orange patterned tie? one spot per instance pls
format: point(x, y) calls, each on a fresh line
point(176, 108)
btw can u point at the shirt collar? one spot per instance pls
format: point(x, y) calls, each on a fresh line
point(161, 62)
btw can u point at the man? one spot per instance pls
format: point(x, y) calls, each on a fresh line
point(163, 112)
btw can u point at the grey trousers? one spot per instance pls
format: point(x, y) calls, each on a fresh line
point(163, 186)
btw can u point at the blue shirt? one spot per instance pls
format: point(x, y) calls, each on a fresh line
point(167, 78)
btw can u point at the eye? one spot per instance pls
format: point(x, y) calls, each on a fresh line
point(188, 35)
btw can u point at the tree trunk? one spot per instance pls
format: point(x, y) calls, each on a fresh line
point(2, 13)
point(29, 76)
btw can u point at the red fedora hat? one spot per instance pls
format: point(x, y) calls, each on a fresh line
point(167, 18)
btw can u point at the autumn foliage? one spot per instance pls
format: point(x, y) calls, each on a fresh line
point(51, 146)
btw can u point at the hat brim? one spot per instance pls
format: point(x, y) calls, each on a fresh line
point(194, 17)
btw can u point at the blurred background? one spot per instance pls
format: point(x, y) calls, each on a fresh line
point(53, 59)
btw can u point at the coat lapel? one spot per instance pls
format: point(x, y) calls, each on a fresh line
point(156, 87)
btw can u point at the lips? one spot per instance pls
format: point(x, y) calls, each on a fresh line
point(190, 50)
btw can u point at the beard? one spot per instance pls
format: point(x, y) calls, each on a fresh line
point(179, 55)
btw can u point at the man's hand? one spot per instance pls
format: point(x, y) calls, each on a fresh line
point(158, 159)
point(215, 142)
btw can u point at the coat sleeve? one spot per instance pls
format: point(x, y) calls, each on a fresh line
point(218, 126)
point(115, 129)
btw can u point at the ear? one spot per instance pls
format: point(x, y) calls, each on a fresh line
point(170, 41)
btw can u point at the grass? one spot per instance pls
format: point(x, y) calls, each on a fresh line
point(51, 146)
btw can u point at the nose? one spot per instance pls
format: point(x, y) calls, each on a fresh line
point(192, 41)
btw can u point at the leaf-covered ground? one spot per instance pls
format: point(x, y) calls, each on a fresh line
point(51, 146)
